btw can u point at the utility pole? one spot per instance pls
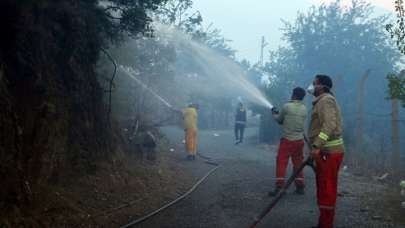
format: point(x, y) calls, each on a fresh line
point(360, 118)
point(263, 119)
point(262, 46)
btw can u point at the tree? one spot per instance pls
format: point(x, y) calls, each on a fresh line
point(397, 30)
point(338, 41)
point(396, 90)
point(53, 119)
point(396, 84)
point(330, 39)
point(342, 42)
point(181, 16)
point(177, 13)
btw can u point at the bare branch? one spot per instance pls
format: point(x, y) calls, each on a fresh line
point(111, 82)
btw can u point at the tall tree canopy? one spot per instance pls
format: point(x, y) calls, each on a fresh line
point(397, 32)
point(53, 118)
point(343, 42)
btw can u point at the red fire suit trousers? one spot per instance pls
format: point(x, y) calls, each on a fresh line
point(327, 168)
point(287, 149)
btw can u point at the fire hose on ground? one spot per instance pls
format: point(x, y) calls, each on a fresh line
point(283, 190)
point(191, 190)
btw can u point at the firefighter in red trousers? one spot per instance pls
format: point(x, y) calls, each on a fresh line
point(325, 134)
point(292, 118)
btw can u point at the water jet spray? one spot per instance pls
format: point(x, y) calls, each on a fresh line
point(131, 74)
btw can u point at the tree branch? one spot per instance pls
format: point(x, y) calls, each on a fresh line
point(111, 82)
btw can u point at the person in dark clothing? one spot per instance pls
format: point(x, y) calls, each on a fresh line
point(240, 123)
point(149, 145)
point(145, 141)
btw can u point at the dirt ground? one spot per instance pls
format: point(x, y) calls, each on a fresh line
point(231, 197)
point(237, 192)
point(110, 196)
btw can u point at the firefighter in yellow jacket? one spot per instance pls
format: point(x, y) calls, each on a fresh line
point(325, 135)
point(190, 128)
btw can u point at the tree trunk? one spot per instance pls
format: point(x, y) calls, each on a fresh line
point(383, 158)
point(396, 151)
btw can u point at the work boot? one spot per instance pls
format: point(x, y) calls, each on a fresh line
point(299, 191)
point(274, 192)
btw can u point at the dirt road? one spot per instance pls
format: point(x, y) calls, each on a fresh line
point(237, 191)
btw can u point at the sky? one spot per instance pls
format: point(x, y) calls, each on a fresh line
point(245, 22)
point(386, 4)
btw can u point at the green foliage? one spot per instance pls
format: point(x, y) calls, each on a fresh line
point(342, 42)
point(397, 30)
point(396, 85)
point(179, 14)
point(285, 70)
point(330, 37)
point(122, 17)
point(213, 39)
point(49, 50)
point(54, 114)
point(160, 64)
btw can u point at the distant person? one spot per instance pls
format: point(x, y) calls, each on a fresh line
point(190, 127)
point(240, 123)
point(292, 118)
point(146, 140)
point(325, 135)
point(149, 145)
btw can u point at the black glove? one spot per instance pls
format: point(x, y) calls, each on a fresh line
point(274, 110)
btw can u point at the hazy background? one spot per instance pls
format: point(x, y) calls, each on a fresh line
point(245, 22)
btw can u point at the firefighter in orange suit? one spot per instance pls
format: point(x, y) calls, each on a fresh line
point(190, 128)
point(325, 134)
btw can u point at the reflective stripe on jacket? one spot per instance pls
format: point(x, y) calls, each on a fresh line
point(325, 130)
